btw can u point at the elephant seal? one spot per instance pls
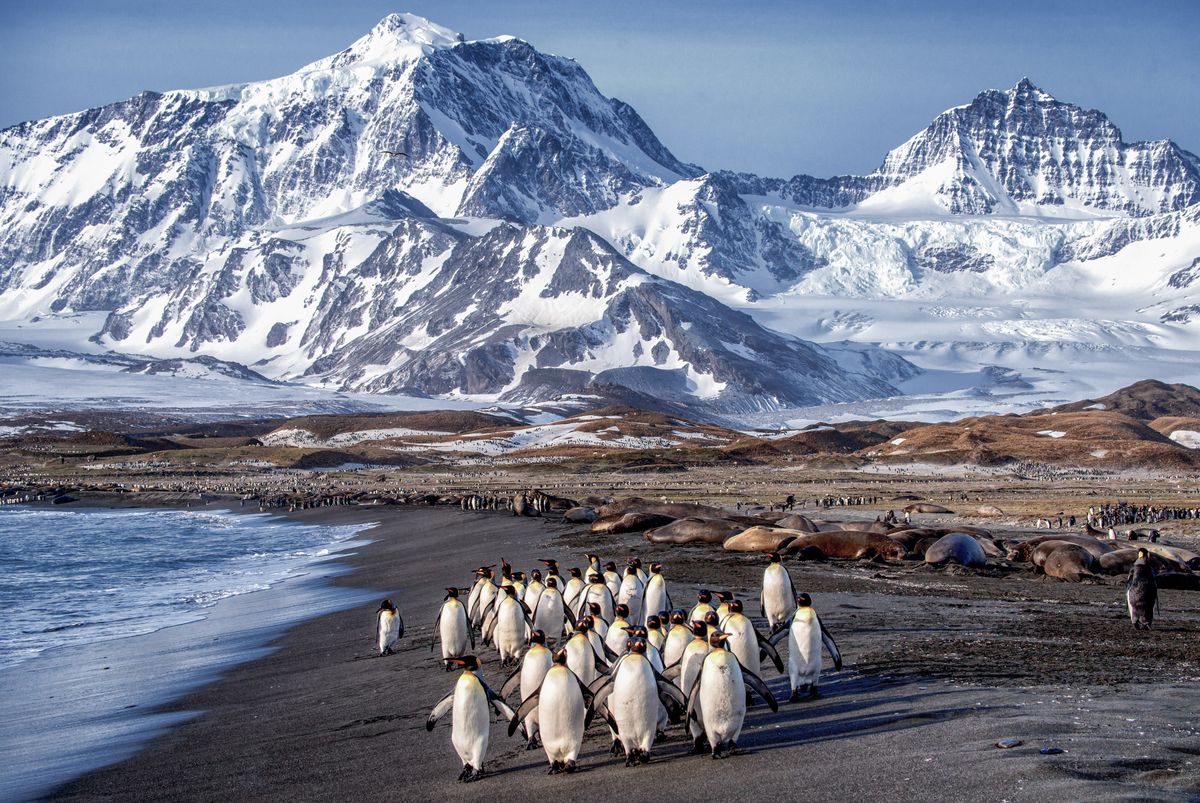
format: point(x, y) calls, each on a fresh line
point(845, 544)
point(926, 507)
point(922, 546)
point(956, 548)
point(629, 523)
point(1043, 550)
point(1120, 561)
point(1070, 562)
point(694, 530)
point(797, 521)
point(1184, 556)
point(988, 511)
point(761, 539)
point(580, 515)
point(852, 526)
point(1181, 581)
point(1021, 550)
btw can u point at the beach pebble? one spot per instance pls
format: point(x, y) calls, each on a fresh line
point(1051, 751)
point(1007, 743)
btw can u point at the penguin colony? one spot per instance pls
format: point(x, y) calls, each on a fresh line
point(608, 645)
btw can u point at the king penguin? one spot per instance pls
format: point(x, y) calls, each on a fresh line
point(632, 696)
point(471, 699)
point(1141, 591)
point(631, 593)
point(805, 638)
point(656, 597)
point(564, 704)
point(389, 627)
point(721, 691)
point(527, 679)
point(453, 628)
point(778, 600)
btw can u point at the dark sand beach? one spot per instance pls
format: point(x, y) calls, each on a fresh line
point(939, 667)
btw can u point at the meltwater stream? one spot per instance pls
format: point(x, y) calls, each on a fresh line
point(108, 613)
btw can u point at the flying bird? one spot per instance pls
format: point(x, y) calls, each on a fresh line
point(396, 153)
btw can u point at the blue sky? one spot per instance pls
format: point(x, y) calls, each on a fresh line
point(775, 88)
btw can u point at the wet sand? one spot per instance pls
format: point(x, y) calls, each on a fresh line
point(939, 667)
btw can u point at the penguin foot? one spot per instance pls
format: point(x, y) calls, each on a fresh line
point(617, 748)
point(700, 746)
point(555, 768)
point(812, 692)
point(570, 766)
point(795, 698)
point(534, 743)
point(468, 774)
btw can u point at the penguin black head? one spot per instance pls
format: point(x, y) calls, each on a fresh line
point(735, 606)
point(678, 618)
point(803, 600)
point(509, 589)
point(637, 645)
point(664, 617)
point(575, 572)
point(538, 637)
point(451, 593)
point(653, 623)
point(505, 568)
point(622, 610)
point(560, 656)
point(1143, 552)
point(583, 625)
point(551, 562)
point(551, 582)
point(595, 579)
point(591, 558)
point(386, 605)
point(635, 562)
point(699, 629)
point(656, 568)
point(725, 596)
point(717, 638)
point(520, 576)
point(611, 566)
point(704, 596)
point(468, 662)
point(631, 570)
point(711, 619)
point(594, 608)
point(537, 575)
point(773, 557)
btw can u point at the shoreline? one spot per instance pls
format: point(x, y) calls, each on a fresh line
point(114, 689)
point(319, 717)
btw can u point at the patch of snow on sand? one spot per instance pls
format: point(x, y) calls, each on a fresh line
point(1052, 433)
point(1187, 438)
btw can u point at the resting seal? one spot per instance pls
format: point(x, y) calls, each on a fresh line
point(694, 530)
point(1070, 562)
point(956, 548)
point(580, 515)
point(926, 507)
point(1022, 550)
point(761, 539)
point(846, 544)
point(629, 523)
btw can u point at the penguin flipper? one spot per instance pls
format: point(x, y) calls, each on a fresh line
point(511, 683)
point(830, 645)
point(439, 710)
point(755, 684)
point(769, 650)
point(673, 671)
point(570, 615)
point(527, 707)
point(666, 687)
point(433, 638)
point(694, 696)
point(779, 635)
point(610, 654)
point(400, 620)
point(607, 716)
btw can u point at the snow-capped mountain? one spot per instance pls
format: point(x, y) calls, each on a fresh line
point(530, 236)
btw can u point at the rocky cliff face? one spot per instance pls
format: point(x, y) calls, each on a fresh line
point(527, 227)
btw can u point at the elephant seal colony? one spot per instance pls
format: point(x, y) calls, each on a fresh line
point(1070, 556)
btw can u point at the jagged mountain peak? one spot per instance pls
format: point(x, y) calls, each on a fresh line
point(394, 38)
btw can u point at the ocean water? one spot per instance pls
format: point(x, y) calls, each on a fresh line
point(109, 613)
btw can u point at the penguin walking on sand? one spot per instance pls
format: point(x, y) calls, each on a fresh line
point(632, 695)
point(617, 638)
point(687, 670)
point(453, 628)
point(528, 678)
point(481, 596)
point(596, 593)
point(574, 588)
point(805, 639)
point(582, 658)
point(723, 600)
point(721, 689)
point(565, 705)
point(678, 636)
point(655, 596)
point(533, 590)
point(389, 627)
point(631, 593)
point(1141, 591)
point(552, 614)
point(507, 625)
point(777, 602)
point(612, 579)
point(745, 642)
point(703, 605)
point(471, 701)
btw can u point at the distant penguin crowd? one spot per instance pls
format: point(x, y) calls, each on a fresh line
point(598, 645)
